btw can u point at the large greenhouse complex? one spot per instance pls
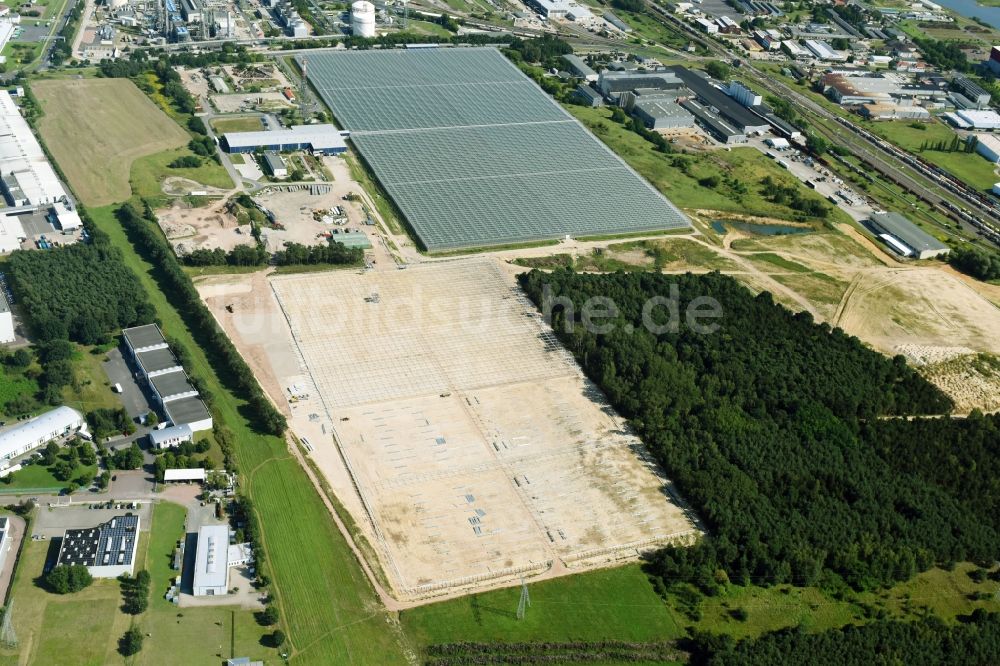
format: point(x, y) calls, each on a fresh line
point(475, 154)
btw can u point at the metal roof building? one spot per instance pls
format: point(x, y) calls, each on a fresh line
point(211, 569)
point(579, 67)
point(661, 113)
point(475, 154)
point(28, 178)
point(39, 431)
point(144, 338)
point(325, 139)
point(192, 474)
point(172, 436)
point(107, 550)
point(919, 243)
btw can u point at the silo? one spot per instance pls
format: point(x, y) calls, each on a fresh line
point(363, 19)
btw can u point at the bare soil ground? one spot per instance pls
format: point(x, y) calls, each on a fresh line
point(479, 450)
point(208, 227)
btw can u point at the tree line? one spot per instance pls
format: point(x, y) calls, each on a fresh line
point(145, 234)
point(761, 426)
point(974, 640)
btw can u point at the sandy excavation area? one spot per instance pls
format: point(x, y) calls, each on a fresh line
point(480, 451)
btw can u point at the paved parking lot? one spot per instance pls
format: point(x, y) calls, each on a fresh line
point(52, 522)
point(132, 397)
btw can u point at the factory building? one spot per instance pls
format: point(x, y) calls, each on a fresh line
point(905, 238)
point(27, 177)
point(824, 51)
point(321, 139)
point(165, 378)
point(743, 95)
point(275, 165)
point(613, 84)
point(662, 112)
point(170, 437)
point(713, 124)
point(175, 475)
point(884, 111)
point(213, 558)
point(973, 119)
point(363, 19)
point(971, 90)
point(108, 550)
point(588, 96)
point(988, 146)
point(6, 321)
point(734, 114)
point(611, 18)
point(39, 431)
point(579, 67)
point(561, 9)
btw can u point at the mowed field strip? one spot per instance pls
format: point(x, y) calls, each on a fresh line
point(479, 449)
point(96, 128)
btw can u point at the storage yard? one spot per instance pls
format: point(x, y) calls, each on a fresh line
point(453, 134)
point(479, 450)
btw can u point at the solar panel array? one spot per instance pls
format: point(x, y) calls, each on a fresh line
point(475, 154)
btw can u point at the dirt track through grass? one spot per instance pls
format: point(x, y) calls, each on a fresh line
point(96, 128)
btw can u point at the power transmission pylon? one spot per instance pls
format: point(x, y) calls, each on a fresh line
point(7, 636)
point(525, 601)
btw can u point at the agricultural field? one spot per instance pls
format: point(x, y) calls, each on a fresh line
point(96, 149)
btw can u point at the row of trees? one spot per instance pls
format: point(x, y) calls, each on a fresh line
point(760, 425)
point(241, 255)
point(81, 292)
point(334, 252)
point(135, 592)
point(232, 369)
point(924, 642)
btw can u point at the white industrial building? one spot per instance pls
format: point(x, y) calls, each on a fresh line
point(211, 573)
point(6, 321)
point(744, 95)
point(170, 437)
point(363, 19)
point(824, 51)
point(108, 550)
point(193, 474)
point(27, 177)
point(39, 431)
point(988, 146)
point(323, 139)
point(904, 237)
point(974, 119)
point(562, 9)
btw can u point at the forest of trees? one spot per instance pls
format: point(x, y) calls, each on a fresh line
point(946, 55)
point(762, 426)
point(149, 241)
point(924, 642)
point(81, 292)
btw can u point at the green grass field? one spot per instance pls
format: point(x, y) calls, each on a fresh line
point(96, 149)
point(613, 603)
point(329, 611)
point(241, 124)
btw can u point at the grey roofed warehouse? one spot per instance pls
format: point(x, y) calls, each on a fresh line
point(920, 243)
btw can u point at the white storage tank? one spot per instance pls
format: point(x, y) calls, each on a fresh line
point(363, 19)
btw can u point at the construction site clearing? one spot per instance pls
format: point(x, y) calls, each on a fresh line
point(462, 437)
point(308, 214)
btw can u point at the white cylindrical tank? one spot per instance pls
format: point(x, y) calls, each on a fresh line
point(363, 19)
